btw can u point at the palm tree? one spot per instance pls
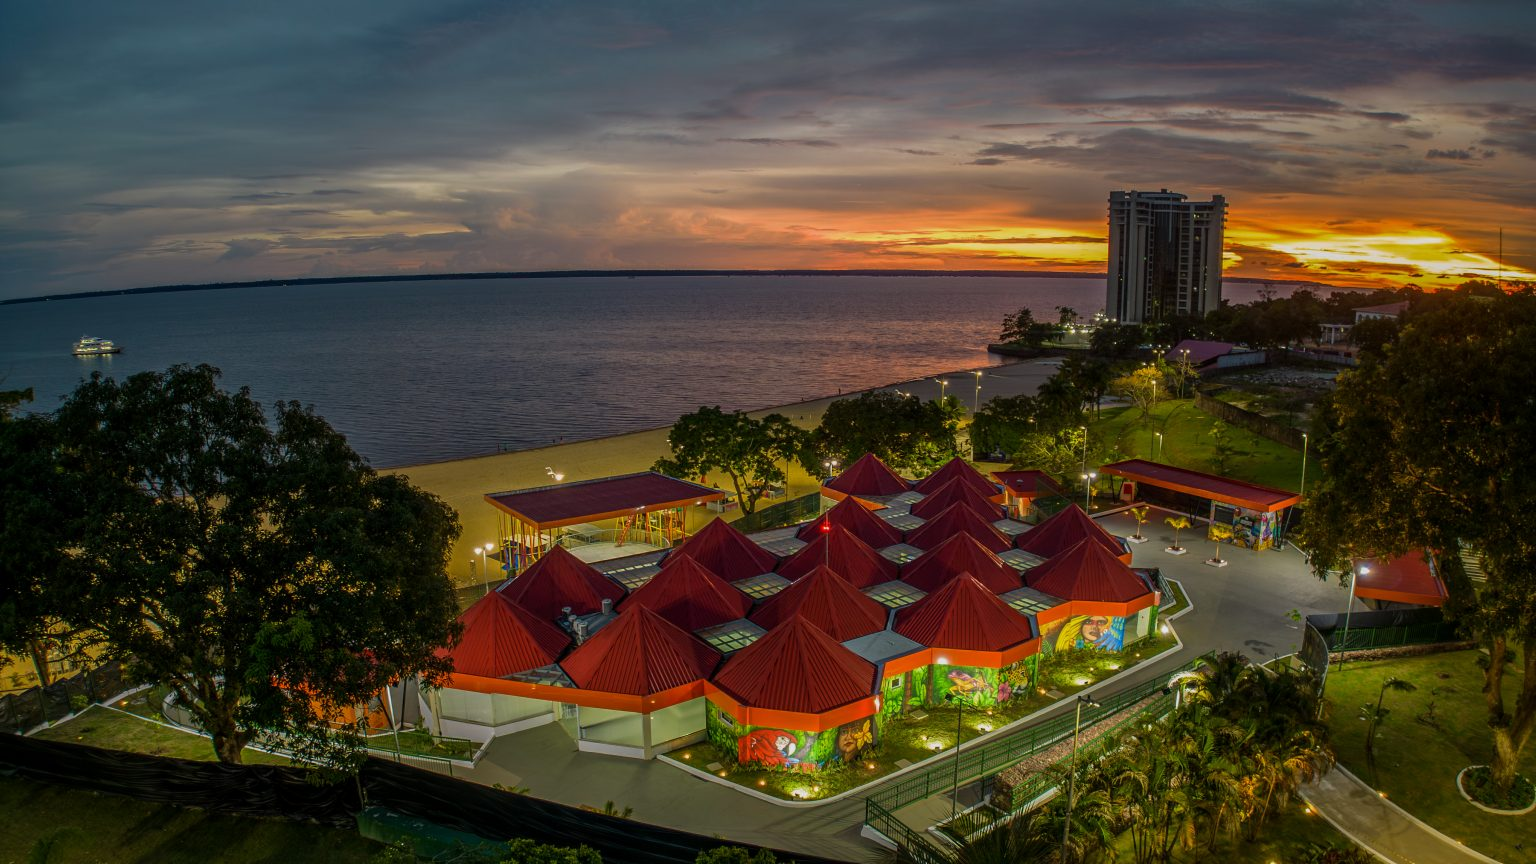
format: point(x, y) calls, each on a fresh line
point(1178, 523)
point(1034, 836)
point(1140, 514)
point(1220, 534)
point(1374, 715)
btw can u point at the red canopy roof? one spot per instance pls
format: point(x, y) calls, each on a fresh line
point(958, 519)
point(1087, 571)
point(1407, 578)
point(1028, 484)
point(1200, 351)
point(638, 654)
point(956, 469)
point(796, 667)
point(961, 553)
point(604, 498)
point(726, 552)
point(963, 615)
point(557, 580)
point(690, 596)
point(851, 557)
point(857, 518)
point(1198, 483)
point(868, 476)
point(501, 638)
point(1063, 531)
point(827, 600)
point(956, 492)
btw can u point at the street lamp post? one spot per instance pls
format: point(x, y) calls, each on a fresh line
point(1157, 451)
point(1066, 828)
point(942, 384)
point(954, 797)
point(1088, 489)
point(1302, 490)
point(1084, 430)
point(1354, 573)
point(976, 400)
point(831, 466)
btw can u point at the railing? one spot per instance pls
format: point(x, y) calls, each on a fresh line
point(780, 514)
point(914, 846)
point(1009, 751)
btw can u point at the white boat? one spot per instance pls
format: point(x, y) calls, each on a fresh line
point(89, 346)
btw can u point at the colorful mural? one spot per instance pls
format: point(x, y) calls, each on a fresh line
point(788, 749)
point(1083, 631)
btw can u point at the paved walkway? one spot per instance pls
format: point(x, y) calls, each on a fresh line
point(1381, 826)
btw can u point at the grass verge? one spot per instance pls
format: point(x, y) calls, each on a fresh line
point(1431, 734)
point(60, 825)
point(116, 730)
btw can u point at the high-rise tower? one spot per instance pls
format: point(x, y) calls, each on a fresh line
point(1164, 255)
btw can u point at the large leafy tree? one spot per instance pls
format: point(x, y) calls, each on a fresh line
point(1089, 376)
point(1427, 445)
point(1021, 328)
point(907, 433)
point(261, 570)
point(753, 453)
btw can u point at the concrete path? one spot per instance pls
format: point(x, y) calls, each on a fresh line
point(1377, 824)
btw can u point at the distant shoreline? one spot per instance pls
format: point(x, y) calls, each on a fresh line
point(571, 274)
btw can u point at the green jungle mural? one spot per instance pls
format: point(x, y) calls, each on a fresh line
point(788, 749)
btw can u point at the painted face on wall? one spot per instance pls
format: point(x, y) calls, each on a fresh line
point(1094, 629)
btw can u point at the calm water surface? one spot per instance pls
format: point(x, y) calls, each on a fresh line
point(413, 372)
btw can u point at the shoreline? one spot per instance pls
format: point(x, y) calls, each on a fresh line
point(463, 482)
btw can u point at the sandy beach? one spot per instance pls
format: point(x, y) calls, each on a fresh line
point(463, 483)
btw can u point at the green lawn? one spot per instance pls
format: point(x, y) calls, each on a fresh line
point(1187, 443)
point(115, 730)
point(1418, 754)
point(59, 825)
point(1286, 839)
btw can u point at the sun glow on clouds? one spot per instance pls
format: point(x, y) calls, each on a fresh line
point(1394, 255)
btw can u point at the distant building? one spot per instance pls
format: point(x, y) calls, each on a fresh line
point(1385, 310)
point(1164, 255)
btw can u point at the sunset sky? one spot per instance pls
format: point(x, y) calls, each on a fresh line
point(155, 142)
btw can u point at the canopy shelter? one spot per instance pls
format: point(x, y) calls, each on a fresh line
point(646, 507)
point(1064, 530)
point(865, 525)
point(956, 491)
point(1413, 579)
point(867, 477)
point(957, 469)
point(726, 552)
point(1254, 512)
point(960, 554)
point(1021, 488)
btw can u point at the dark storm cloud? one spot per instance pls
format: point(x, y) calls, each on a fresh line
point(1457, 155)
point(146, 137)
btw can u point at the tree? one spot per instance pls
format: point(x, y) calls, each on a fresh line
point(263, 572)
point(1178, 523)
point(1021, 328)
point(1140, 388)
point(1002, 423)
point(1428, 447)
point(1219, 534)
point(1089, 376)
point(1223, 451)
point(1140, 514)
point(904, 431)
point(1060, 454)
point(1066, 316)
point(752, 453)
point(1373, 335)
point(1115, 340)
point(1373, 715)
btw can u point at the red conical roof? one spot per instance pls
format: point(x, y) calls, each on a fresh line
point(638, 654)
point(796, 667)
point(869, 476)
point(726, 552)
point(849, 556)
point(827, 600)
point(956, 491)
point(956, 469)
point(963, 615)
point(501, 638)
point(961, 553)
point(1063, 531)
point(557, 580)
point(1087, 571)
point(857, 518)
point(958, 519)
point(690, 596)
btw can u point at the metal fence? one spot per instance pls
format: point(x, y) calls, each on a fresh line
point(38, 705)
point(780, 514)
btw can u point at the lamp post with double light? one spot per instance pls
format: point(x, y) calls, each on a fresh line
point(485, 572)
point(1157, 449)
point(1354, 574)
point(1077, 725)
point(943, 383)
point(831, 466)
point(976, 399)
point(954, 797)
point(1084, 430)
point(1088, 489)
